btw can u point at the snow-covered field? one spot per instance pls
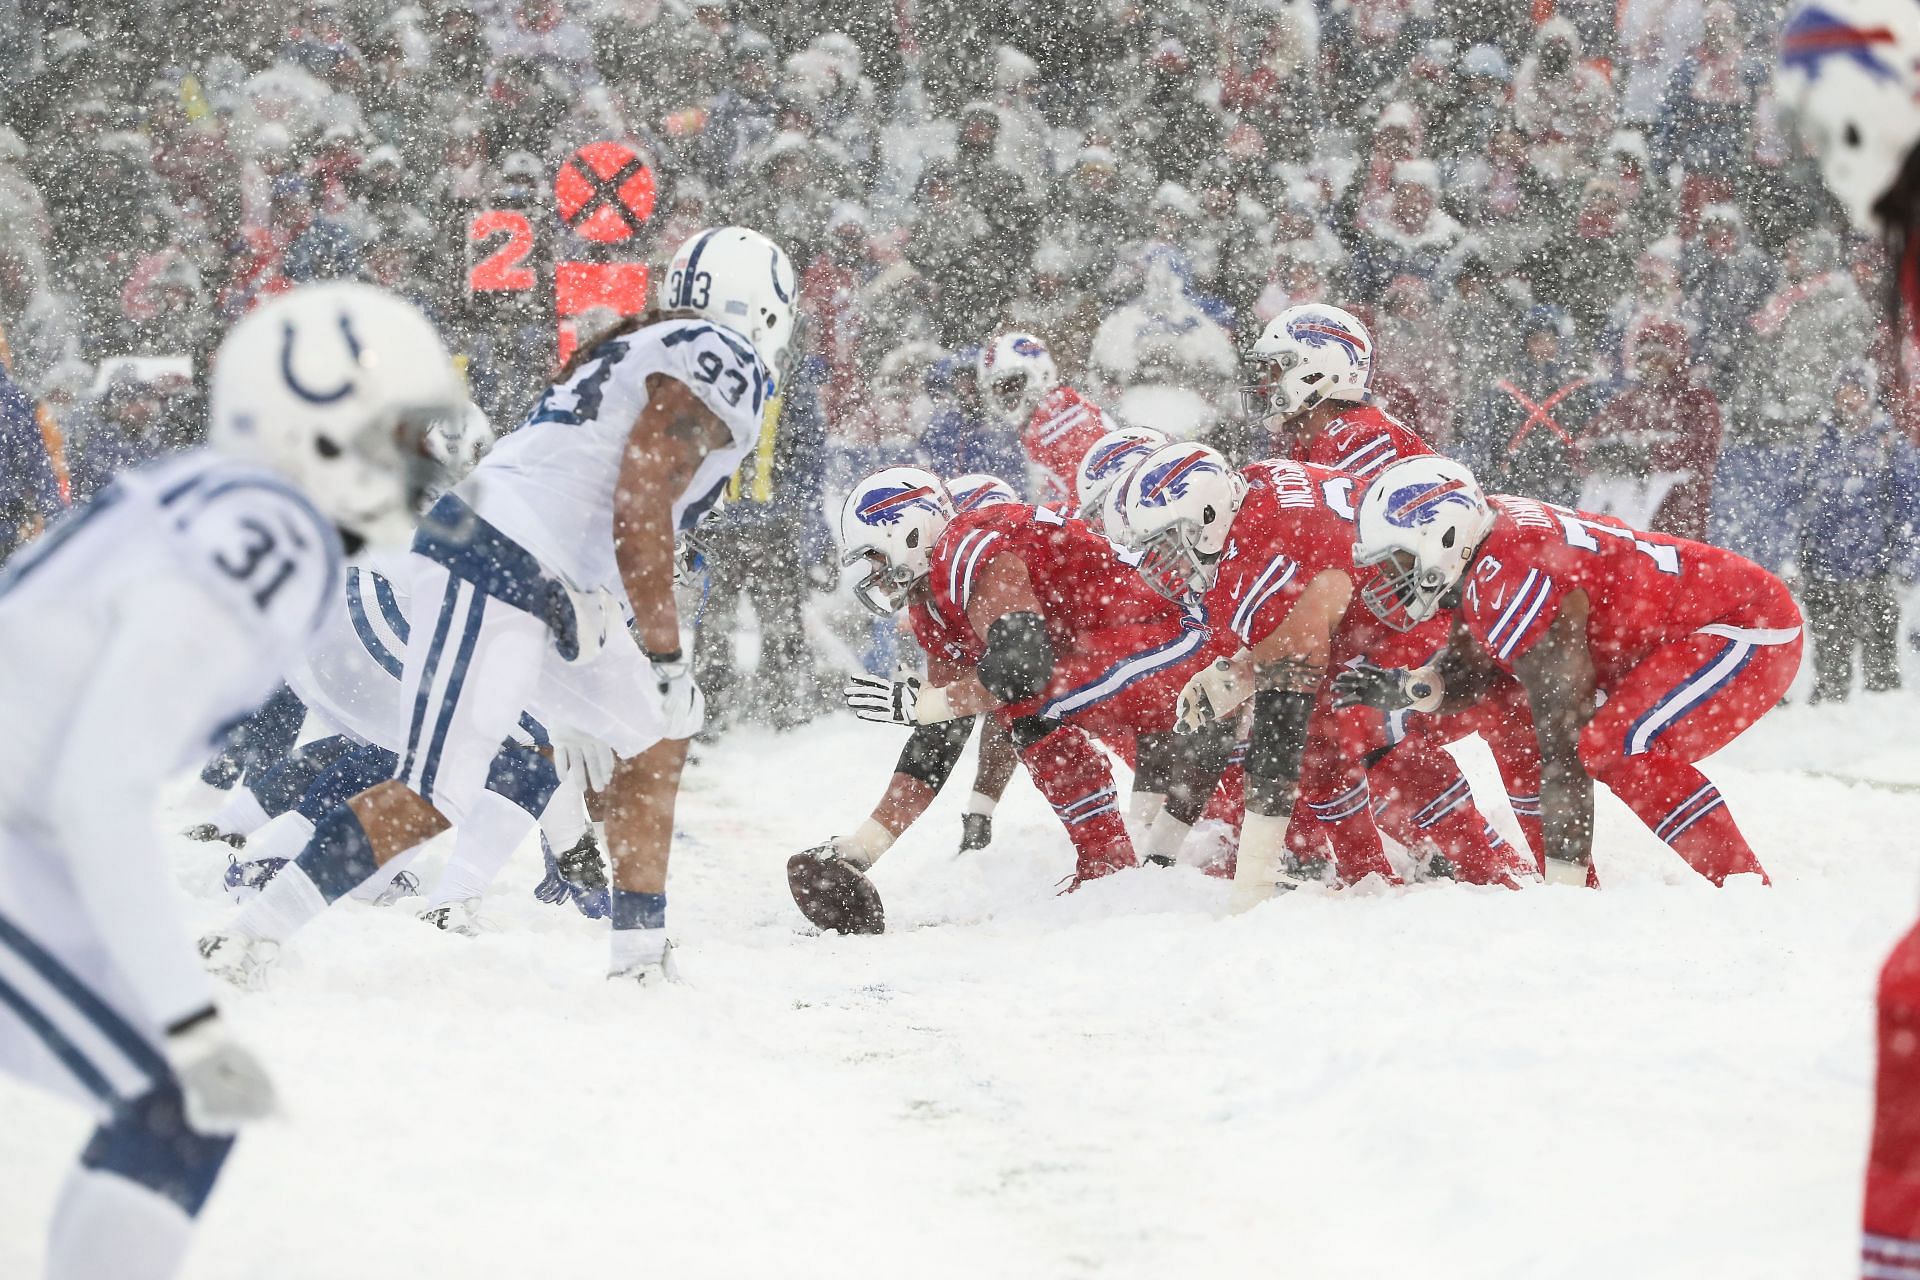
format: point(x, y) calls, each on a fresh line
point(1654, 1080)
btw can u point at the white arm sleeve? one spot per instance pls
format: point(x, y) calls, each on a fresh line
point(178, 662)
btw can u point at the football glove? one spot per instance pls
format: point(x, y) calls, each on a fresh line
point(1387, 689)
point(1214, 692)
point(684, 706)
point(224, 1085)
point(576, 754)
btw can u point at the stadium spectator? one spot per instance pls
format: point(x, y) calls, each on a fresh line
point(1860, 534)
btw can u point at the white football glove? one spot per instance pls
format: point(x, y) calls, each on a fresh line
point(577, 755)
point(883, 701)
point(906, 700)
point(681, 701)
point(1215, 691)
point(224, 1085)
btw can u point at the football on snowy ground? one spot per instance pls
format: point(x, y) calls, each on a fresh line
point(834, 895)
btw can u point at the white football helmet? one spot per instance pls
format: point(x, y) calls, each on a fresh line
point(978, 489)
point(890, 521)
point(1174, 508)
point(1849, 74)
point(1107, 461)
point(336, 386)
point(1015, 372)
point(1306, 355)
point(740, 280)
point(1421, 522)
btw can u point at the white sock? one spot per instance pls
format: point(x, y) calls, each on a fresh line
point(864, 847)
point(288, 902)
point(1143, 807)
point(982, 805)
point(370, 889)
point(1256, 873)
point(284, 837)
point(241, 814)
point(104, 1225)
point(1166, 836)
point(565, 818)
point(493, 828)
point(633, 948)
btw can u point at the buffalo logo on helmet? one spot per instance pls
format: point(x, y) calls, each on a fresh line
point(1813, 35)
point(981, 493)
point(1109, 458)
point(1168, 481)
point(886, 505)
point(1319, 330)
point(1420, 504)
point(1029, 347)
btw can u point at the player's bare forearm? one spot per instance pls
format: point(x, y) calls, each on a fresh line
point(1559, 678)
point(1303, 642)
point(668, 441)
point(1566, 810)
point(1465, 671)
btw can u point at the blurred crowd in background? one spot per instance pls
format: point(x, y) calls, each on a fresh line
point(1597, 266)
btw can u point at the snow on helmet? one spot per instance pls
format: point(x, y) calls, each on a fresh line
point(1850, 74)
point(336, 386)
point(1174, 508)
point(1420, 522)
point(978, 489)
point(1307, 354)
point(740, 280)
point(1109, 458)
point(1015, 373)
point(891, 521)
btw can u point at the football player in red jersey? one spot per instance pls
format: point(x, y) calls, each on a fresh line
point(994, 766)
point(1027, 615)
point(1311, 368)
point(1019, 381)
point(1269, 554)
point(1681, 644)
point(1850, 72)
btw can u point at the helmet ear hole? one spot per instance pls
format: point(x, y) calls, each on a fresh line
point(1852, 135)
point(913, 537)
point(1446, 539)
point(1206, 516)
point(325, 447)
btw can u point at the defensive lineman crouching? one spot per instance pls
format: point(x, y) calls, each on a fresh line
point(1025, 614)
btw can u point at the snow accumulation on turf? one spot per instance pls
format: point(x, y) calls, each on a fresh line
point(1654, 1080)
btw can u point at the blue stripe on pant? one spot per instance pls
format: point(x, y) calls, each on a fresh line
point(1124, 674)
point(1716, 674)
point(450, 700)
point(428, 669)
point(83, 1002)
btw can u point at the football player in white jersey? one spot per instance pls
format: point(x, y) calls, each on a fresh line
point(132, 634)
point(525, 576)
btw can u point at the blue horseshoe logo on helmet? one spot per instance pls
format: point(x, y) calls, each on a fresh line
point(293, 383)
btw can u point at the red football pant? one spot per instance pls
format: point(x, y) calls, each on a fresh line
point(1421, 799)
point(1072, 773)
point(1415, 793)
point(1891, 1240)
point(1683, 702)
point(1504, 720)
